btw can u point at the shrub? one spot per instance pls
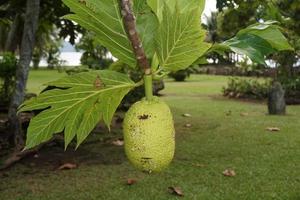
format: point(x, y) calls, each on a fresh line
point(247, 88)
point(292, 89)
point(8, 65)
point(77, 69)
point(181, 75)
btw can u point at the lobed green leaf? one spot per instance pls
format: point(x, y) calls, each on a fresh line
point(147, 24)
point(184, 6)
point(256, 42)
point(83, 101)
point(103, 18)
point(180, 38)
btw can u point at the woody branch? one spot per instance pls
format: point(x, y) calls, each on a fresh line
point(130, 27)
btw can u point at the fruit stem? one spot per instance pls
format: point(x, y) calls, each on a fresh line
point(148, 87)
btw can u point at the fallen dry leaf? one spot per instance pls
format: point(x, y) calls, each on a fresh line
point(186, 115)
point(36, 156)
point(131, 181)
point(118, 142)
point(2, 121)
point(188, 125)
point(229, 173)
point(244, 114)
point(68, 166)
point(273, 129)
point(176, 191)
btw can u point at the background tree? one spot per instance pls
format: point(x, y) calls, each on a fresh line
point(51, 28)
point(27, 45)
point(94, 54)
point(237, 14)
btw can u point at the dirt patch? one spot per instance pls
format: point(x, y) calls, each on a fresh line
point(51, 157)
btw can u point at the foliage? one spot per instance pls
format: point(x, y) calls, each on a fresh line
point(247, 68)
point(51, 12)
point(237, 14)
point(246, 88)
point(178, 37)
point(181, 75)
point(77, 69)
point(175, 51)
point(8, 65)
point(256, 41)
point(86, 99)
point(292, 89)
point(53, 54)
point(94, 55)
point(106, 22)
point(258, 89)
point(180, 49)
point(47, 45)
point(292, 84)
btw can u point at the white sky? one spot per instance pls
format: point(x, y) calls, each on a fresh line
point(210, 6)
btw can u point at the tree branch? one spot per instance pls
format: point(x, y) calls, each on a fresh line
point(130, 27)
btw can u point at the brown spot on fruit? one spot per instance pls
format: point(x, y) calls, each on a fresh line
point(143, 117)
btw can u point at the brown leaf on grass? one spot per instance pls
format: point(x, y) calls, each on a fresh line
point(36, 155)
point(188, 125)
point(244, 114)
point(118, 142)
point(2, 121)
point(67, 166)
point(273, 129)
point(186, 115)
point(131, 181)
point(176, 191)
point(229, 173)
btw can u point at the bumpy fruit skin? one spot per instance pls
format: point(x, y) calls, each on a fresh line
point(149, 135)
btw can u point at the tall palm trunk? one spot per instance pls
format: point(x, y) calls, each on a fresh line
point(27, 46)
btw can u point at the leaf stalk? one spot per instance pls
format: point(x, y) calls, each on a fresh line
point(148, 87)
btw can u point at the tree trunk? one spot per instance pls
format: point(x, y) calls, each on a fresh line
point(276, 100)
point(27, 45)
point(11, 43)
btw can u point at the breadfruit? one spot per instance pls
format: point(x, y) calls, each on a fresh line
point(149, 135)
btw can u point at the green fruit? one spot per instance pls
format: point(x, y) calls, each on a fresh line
point(149, 135)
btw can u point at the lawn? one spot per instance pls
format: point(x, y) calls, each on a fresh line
point(37, 79)
point(225, 134)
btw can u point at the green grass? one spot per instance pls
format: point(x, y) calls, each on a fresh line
point(267, 164)
point(37, 79)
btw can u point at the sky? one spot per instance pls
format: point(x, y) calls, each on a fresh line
point(210, 6)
